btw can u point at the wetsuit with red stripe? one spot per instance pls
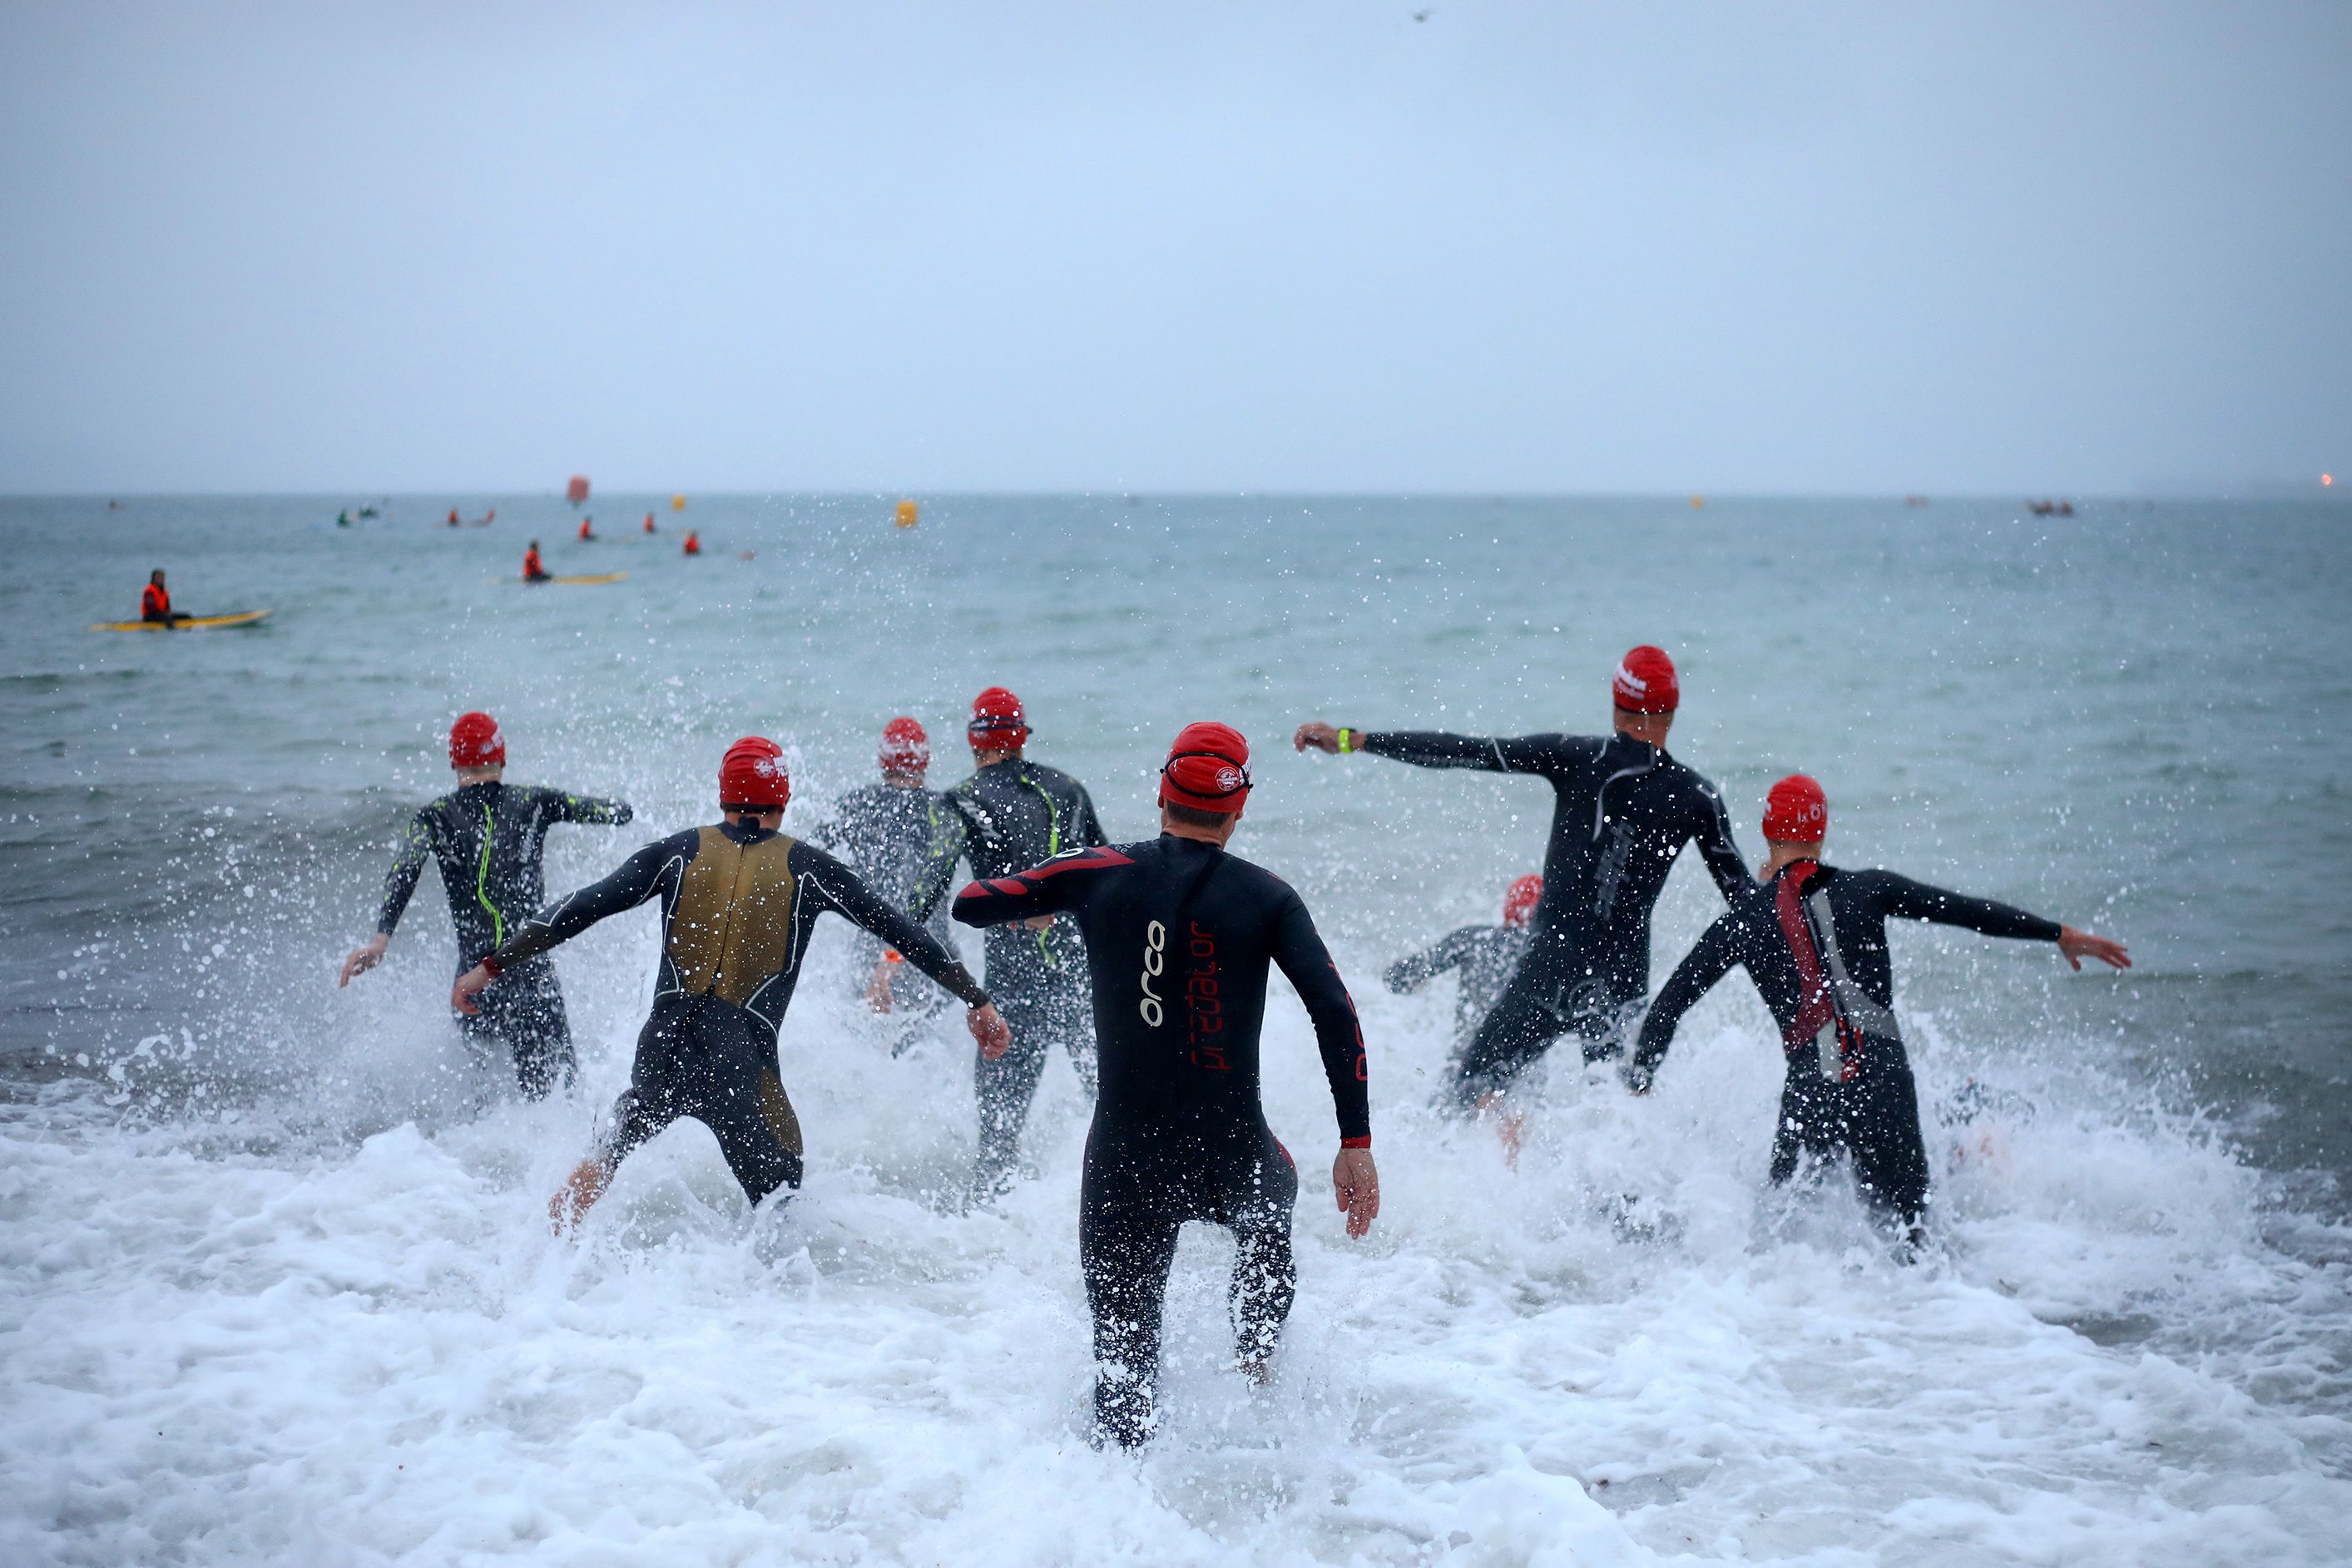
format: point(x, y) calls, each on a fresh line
point(1180, 936)
point(1813, 939)
point(1623, 809)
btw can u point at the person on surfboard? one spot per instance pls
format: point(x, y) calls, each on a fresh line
point(155, 601)
point(533, 569)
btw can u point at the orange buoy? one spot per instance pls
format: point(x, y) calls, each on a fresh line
point(677, 503)
point(576, 491)
point(909, 514)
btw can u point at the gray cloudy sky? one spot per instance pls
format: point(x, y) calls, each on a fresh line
point(1198, 246)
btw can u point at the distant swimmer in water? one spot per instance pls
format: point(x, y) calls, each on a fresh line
point(738, 903)
point(1623, 809)
point(533, 569)
point(155, 601)
point(1487, 956)
point(452, 521)
point(1178, 937)
point(1010, 815)
point(489, 838)
point(893, 832)
point(693, 543)
point(587, 530)
point(1813, 939)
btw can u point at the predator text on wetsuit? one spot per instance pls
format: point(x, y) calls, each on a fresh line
point(1008, 817)
point(1813, 940)
point(1486, 955)
point(1622, 812)
point(489, 839)
point(738, 904)
point(1178, 937)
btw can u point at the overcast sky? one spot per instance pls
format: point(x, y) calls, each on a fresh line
point(1183, 247)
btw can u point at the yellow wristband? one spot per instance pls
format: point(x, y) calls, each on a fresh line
point(1347, 741)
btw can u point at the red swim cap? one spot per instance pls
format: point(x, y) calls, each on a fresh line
point(905, 747)
point(474, 742)
point(1521, 900)
point(752, 775)
point(1207, 769)
point(1645, 681)
point(998, 723)
point(1796, 812)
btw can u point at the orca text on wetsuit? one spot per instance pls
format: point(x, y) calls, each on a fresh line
point(1622, 812)
point(489, 839)
point(1485, 956)
point(1813, 940)
point(1009, 816)
point(1178, 937)
point(738, 904)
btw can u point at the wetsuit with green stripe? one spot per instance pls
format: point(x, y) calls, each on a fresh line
point(1009, 816)
point(489, 839)
point(891, 835)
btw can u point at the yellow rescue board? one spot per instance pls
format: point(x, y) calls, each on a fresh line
point(601, 577)
point(186, 622)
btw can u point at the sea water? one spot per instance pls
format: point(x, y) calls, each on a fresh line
point(276, 1283)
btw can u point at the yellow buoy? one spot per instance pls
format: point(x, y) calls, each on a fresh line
point(909, 514)
point(677, 503)
point(1697, 501)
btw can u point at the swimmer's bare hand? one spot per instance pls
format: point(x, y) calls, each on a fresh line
point(2077, 946)
point(362, 959)
point(461, 995)
point(1322, 736)
point(1356, 1184)
point(878, 988)
point(990, 1030)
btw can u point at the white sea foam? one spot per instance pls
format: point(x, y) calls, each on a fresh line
point(334, 1329)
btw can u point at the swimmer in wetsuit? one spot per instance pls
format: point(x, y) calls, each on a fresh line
point(1487, 956)
point(1179, 936)
point(1622, 810)
point(738, 903)
point(1011, 815)
point(488, 837)
point(893, 832)
point(1813, 939)
point(155, 600)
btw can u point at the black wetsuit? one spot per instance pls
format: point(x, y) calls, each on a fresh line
point(1179, 936)
point(1849, 1084)
point(1487, 956)
point(1622, 812)
point(893, 836)
point(738, 904)
point(489, 839)
point(1008, 817)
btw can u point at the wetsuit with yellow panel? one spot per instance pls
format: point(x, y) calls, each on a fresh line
point(738, 905)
